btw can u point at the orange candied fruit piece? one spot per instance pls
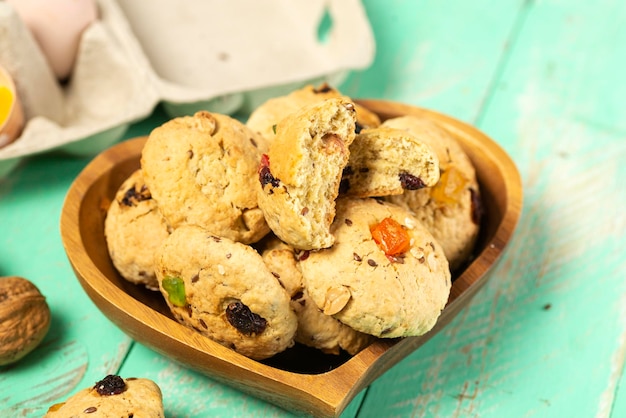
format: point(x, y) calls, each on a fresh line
point(449, 189)
point(391, 237)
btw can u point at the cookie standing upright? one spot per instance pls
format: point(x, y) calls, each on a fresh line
point(134, 228)
point(224, 290)
point(299, 178)
point(451, 209)
point(201, 170)
point(386, 161)
point(385, 275)
point(265, 117)
point(315, 329)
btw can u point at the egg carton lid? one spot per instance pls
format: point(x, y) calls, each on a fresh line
point(222, 56)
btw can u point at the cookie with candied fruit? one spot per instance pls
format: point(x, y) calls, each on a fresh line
point(451, 209)
point(385, 275)
point(224, 290)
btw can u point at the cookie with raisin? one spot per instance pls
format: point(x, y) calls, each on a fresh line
point(386, 161)
point(113, 396)
point(134, 228)
point(265, 118)
point(385, 275)
point(451, 209)
point(315, 329)
point(201, 170)
point(224, 290)
point(299, 178)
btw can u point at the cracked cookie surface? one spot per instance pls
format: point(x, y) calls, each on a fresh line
point(224, 290)
point(451, 209)
point(386, 161)
point(202, 171)
point(134, 228)
point(299, 178)
point(264, 118)
point(315, 328)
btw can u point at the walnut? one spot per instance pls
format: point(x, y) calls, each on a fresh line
point(24, 318)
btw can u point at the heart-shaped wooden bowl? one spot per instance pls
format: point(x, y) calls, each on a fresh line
point(300, 379)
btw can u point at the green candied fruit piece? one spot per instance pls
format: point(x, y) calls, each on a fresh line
point(175, 288)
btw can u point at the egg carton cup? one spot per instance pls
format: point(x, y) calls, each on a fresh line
point(224, 57)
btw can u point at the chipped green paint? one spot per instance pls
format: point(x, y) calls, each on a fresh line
point(545, 337)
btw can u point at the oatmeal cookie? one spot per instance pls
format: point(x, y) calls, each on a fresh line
point(385, 275)
point(224, 290)
point(387, 161)
point(299, 178)
point(265, 117)
point(113, 397)
point(134, 228)
point(201, 170)
point(451, 210)
point(315, 329)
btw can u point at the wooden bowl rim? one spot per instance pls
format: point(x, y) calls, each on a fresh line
point(276, 385)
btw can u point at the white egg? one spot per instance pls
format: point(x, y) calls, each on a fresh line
point(57, 26)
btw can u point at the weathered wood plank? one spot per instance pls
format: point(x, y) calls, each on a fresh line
point(82, 346)
point(546, 336)
point(190, 394)
point(439, 55)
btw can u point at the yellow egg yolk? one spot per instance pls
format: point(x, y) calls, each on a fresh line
point(6, 101)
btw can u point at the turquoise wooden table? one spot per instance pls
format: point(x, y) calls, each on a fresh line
point(546, 336)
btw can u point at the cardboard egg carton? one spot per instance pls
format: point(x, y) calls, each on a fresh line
point(220, 56)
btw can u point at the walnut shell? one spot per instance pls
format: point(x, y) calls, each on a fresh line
point(24, 318)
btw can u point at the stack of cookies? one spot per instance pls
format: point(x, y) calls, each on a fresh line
point(312, 223)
